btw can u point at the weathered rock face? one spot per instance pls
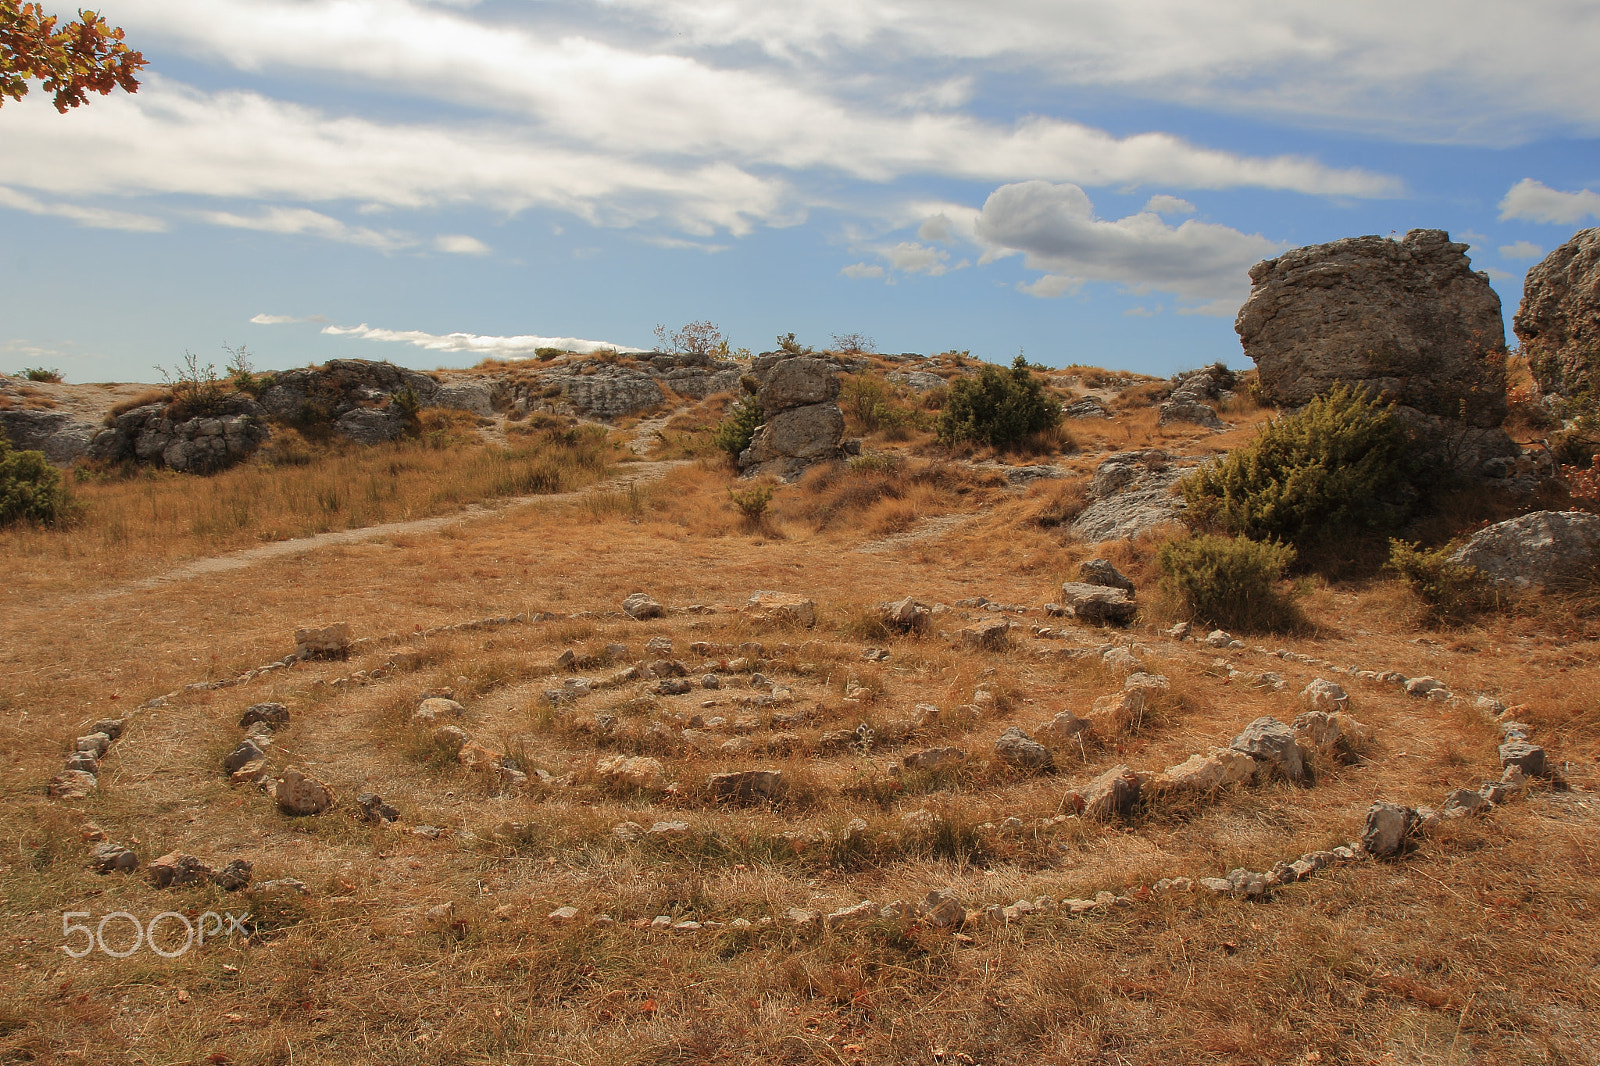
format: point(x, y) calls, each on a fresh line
point(1132, 493)
point(1559, 320)
point(1542, 548)
point(803, 425)
point(194, 445)
point(1408, 319)
point(1190, 400)
point(608, 390)
point(1098, 604)
point(59, 436)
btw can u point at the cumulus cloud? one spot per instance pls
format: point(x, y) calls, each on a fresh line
point(1521, 250)
point(460, 244)
point(1055, 228)
point(910, 257)
point(506, 347)
point(862, 270)
point(96, 217)
point(282, 320)
point(1534, 201)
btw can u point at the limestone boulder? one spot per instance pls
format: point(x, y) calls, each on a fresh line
point(781, 608)
point(1015, 748)
point(1543, 548)
point(323, 642)
point(1112, 794)
point(1387, 828)
point(802, 381)
point(1273, 744)
point(934, 759)
point(1219, 768)
point(634, 772)
point(987, 635)
point(1098, 604)
point(298, 793)
point(1559, 320)
point(747, 786)
point(640, 606)
point(1409, 320)
point(1102, 572)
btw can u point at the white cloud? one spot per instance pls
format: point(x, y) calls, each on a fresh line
point(1163, 204)
point(96, 217)
point(862, 270)
point(1521, 250)
point(638, 101)
point(303, 221)
point(281, 320)
point(1533, 201)
point(506, 347)
point(170, 139)
point(1498, 275)
point(1447, 70)
point(909, 257)
point(1055, 228)
point(1049, 286)
point(460, 244)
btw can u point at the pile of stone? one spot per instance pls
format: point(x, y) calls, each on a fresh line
point(81, 775)
point(1101, 596)
point(1193, 394)
point(801, 423)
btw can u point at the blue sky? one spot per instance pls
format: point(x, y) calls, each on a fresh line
point(434, 181)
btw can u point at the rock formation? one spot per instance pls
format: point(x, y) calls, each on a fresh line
point(1408, 320)
point(1542, 548)
point(1559, 320)
point(803, 423)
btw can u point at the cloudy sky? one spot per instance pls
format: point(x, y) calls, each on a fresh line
point(434, 181)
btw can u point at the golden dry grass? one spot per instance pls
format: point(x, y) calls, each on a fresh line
point(1479, 948)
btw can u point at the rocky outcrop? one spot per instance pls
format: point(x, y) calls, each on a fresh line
point(59, 436)
point(1542, 548)
point(1196, 390)
point(328, 392)
point(803, 423)
point(1131, 494)
point(229, 434)
point(1559, 320)
point(1409, 320)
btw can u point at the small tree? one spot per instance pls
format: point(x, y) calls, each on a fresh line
point(72, 60)
point(696, 338)
point(854, 343)
point(999, 408)
point(736, 430)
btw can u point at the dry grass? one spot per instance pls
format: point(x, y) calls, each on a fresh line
point(1478, 948)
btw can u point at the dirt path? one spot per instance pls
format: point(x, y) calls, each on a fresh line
point(632, 474)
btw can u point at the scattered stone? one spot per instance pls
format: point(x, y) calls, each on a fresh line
point(1247, 884)
point(1118, 714)
point(673, 686)
point(450, 739)
point(1526, 757)
point(1422, 686)
point(72, 784)
point(1464, 801)
point(83, 760)
point(324, 642)
point(300, 794)
point(1272, 744)
point(113, 858)
point(639, 606)
point(1112, 794)
point(934, 759)
point(96, 744)
point(1065, 729)
point(250, 773)
point(1386, 829)
point(1326, 696)
point(781, 609)
point(234, 876)
point(173, 870)
point(632, 771)
point(747, 786)
point(669, 830)
point(803, 919)
point(1016, 748)
point(863, 911)
point(942, 909)
point(1539, 549)
point(1329, 733)
point(1179, 631)
point(1218, 769)
point(111, 727)
point(374, 810)
point(1102, 572)
point(248, 751)
point(660, 646)
point(711, 681)
point(1219, 638)
point(906, 616)
point(275, 715)
point(1098, 604)
point(627, 831)
point(987, 635)
point(563, 915)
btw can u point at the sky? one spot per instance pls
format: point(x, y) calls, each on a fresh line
point(434, 182)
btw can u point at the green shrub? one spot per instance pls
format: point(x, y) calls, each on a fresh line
point(752, 503)
point(50, 375)
point(999, 408)
point(1449, 591)
point(30, 488)
point(734, 432)
point(1229, 582)
point(1340, 464)
point(405, 401)
point(872, 407)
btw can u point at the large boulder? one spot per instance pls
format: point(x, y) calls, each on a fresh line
point(1542, 548)
point(58, 435)
point(1273, 744)
point(608, 390)
point(1098, 604)
point(1559, 320)
point(803, 425)
point(1131, 493)
point(1409, 320)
